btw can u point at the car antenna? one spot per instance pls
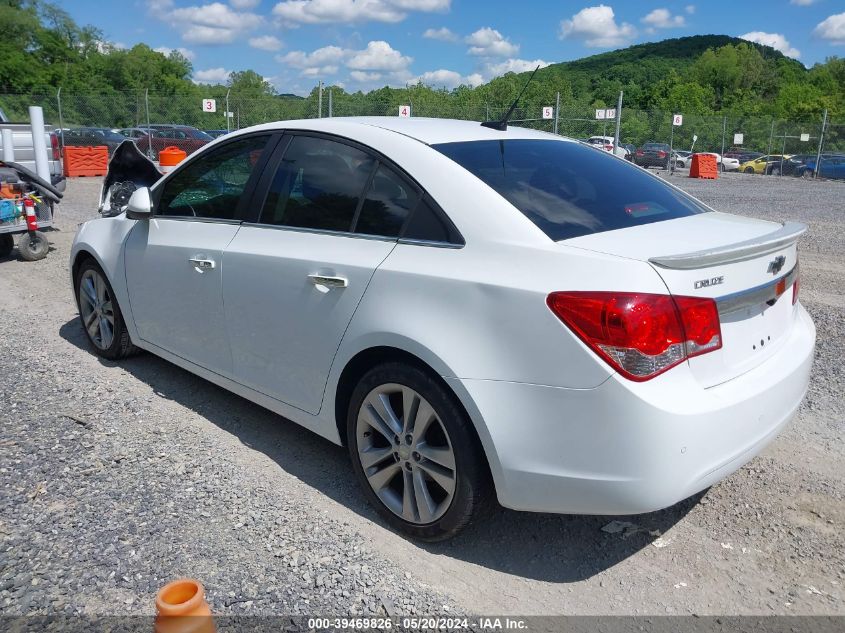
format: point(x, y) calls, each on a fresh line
point(503, 124)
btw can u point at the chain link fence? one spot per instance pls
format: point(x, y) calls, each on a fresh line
point(714, 133)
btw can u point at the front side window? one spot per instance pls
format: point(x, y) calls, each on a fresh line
point(568, 189)
point(212, 186)
point(317, 185)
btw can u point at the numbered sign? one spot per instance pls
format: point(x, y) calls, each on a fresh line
point(209, 105)
point(548, 112)
point(738, 139)
point(404, 111)
point(600, 113)
point(610, 113)
point(677, 119)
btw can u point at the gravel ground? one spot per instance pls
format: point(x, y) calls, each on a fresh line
point(116, 478)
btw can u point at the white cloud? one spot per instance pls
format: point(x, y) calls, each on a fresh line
point(443, 34)
point(690, 9)
point(378, 55)
point(487, 42)
point(244, 4)
point(266, 43)
point(212, 76)
point(185, 52)
point(597, 27)
point(362, 77)
point(214, 23)
point(802, 3)
point(832, 29)
point(323, 61)
point(348, 11)
point(663, 19)
point(449, 79)
point(775, 40)
point(513, 66)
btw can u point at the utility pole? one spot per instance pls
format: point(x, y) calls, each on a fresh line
point(724, 129)
point(226, 114)
point(330, 102)
point(618, 121)
point(320, 101)
point(821, 144)
point(771, 136)
point(149, 131)
point(557, 110)
point(671, 139)
point(61, 124)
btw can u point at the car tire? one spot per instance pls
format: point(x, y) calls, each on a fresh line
point(7, 243)
point(394, 459)
point(33, 247)
point(100, 313)
point(749, 170)
point(807, 173)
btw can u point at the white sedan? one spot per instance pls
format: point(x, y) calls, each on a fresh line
point(472, 312)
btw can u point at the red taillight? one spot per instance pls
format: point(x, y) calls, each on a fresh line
point(54, 144)
point(608, 148)
point(661, 154)
point(640, 335)
point(640, 152)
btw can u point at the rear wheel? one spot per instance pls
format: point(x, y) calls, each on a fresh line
point(100, 314)
point(33, 247)
point(749, 170)
point(7, 243)
point(414, 452)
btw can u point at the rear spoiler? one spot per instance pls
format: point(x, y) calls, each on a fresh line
point(737, 252)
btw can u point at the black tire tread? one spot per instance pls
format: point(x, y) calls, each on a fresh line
point(30, 255)
point(122, 346)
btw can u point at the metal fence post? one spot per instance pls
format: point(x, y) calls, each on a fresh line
point(771, 137)
point(619, 122)
point(61, 122)
point(226, 113)
point(149, 130)
point(320, 100)
point(330, 102)
point(557, 110)
point(724, 130)
point(821, 144)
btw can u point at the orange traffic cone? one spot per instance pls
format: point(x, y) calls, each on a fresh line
point(181, 608)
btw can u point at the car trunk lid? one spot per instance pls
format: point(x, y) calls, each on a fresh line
point(748, 266)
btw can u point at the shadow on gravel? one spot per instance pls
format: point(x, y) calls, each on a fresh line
point(548, 547)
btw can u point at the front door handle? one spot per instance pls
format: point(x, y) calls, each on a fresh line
point(328, 281)
point(202, 264)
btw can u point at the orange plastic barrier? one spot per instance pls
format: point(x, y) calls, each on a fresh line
point(181, 608)
point(703, 166)
point(86, 161)
point(171, 156)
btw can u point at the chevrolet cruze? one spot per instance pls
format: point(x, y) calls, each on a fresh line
point(475, 313)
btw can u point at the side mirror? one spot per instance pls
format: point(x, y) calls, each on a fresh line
point(140, 206)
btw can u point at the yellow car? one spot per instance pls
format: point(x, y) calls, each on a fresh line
point(758, 165)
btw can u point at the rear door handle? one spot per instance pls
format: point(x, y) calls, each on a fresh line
point(202, 264)
point(328, 281)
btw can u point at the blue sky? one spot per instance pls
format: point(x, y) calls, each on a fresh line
point(361, 44)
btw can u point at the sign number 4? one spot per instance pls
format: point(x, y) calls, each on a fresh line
point(404, 111)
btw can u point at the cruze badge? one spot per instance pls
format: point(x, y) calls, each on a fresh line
point(705, 283)
point(776, 264)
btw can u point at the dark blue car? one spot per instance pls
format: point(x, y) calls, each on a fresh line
point(831, 166)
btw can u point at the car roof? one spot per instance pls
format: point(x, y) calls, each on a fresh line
point(424, 130)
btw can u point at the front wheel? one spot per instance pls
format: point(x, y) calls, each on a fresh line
point(749, 170)
point(414, 452)
point(100, 314)
point(33, 247)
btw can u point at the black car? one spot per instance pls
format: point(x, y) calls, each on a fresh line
point(652, 155)
point(91, 137)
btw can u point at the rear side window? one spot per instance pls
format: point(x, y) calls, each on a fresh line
point(387, 204)
point(317, 185)
point(568, 189)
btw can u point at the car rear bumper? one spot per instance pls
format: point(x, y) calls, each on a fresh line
point(627, 447)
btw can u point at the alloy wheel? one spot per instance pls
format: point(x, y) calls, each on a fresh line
point(96, 308)
point(406, 454)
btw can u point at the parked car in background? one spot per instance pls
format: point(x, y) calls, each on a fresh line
point(830, 166)
point(342, 272)
point(132, 132)
point(652, 155)
point(606, 143)
point(188, 139)
point(631, 149)
point(742, 155)
point(681, 158)
point(216, 133)
point(761, 165)
point(724, 163)
point(91, 137)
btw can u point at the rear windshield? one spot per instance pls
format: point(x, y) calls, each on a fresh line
point(569, 189)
